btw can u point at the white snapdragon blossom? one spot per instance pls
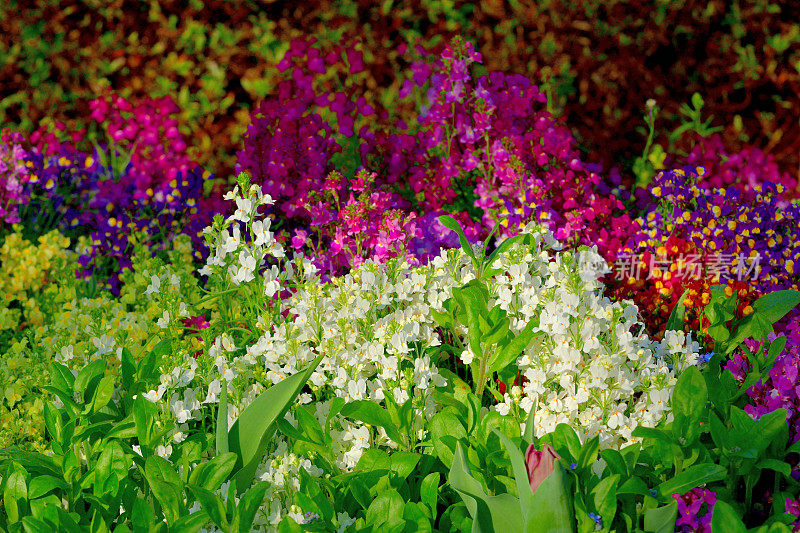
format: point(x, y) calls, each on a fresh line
point(163, 322)
point(154, 287)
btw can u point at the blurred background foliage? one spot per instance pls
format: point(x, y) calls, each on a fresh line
point(599, 61)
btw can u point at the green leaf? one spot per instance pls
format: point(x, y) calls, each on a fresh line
point(452, 224)
point(370, 412)
point(93, 370)
point(111, 468)
point(445, 424)
point(403, 463)
point(166, 486)
point(429, 491)
point(15, 496)
point(190, 523)
point(505, 245)
point(566, 442)
point(102, 394)
point(212, 474)
point(520, 474)
point(661, 519)
point(34, 525)
point(489, 513)
point(692, 477)
point(245, 512)
point(725, 519)
point(250, 434)
point(689, 401)
point(605, 497)
point(676, 317)
point(43, 484)
point(775, 349)
point(588, 453)
point(221, 442)
point(775, 305)
point(61, 378)
point(633, 485)
point(551, 510)
point(776, 465)
point(509, 353)
point(387, 506)
point(616, 463)
point(211, 504)
point(127, 369)
point(530, 427)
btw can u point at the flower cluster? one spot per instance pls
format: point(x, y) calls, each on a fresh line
point(750, 245)
point(13, 177)
point(25, 269)
point(142, 181)
point(347, 227)
point(744, 170)
point(493, 137)
point(781, 390)
point(586, 367)
point(695, 510)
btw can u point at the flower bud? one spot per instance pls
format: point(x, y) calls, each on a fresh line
point(540, 464)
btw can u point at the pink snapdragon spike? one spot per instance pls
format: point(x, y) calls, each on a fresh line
point(540, 464)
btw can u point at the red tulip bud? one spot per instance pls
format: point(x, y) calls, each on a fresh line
point(540, 464)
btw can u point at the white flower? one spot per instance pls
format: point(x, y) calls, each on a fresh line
point(246, 269)
point(104, 344)
point(260, 230)
point(163, 322)
point(154, 287)
point(244, 208)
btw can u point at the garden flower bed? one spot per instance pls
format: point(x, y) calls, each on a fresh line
point(423, 309)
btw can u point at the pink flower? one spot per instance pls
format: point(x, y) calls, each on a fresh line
point(540, 464)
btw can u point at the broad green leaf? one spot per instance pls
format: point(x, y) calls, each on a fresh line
point(166, 486)
point(551, 510)
point(246, 510)
point(661, 519)
point(489, 513)
point(102, 394)
point(250, 434)
point(61, 378)
point(91, 371)
point(588, 454)
point(725, 519)
point(191, 523)
point(212, 474)
point(775, 305)
point(388, 505)
point(520, 474)
point(633, 485)
point(370, 412)
point(509, 353)
point(211, 504)
point(15, 496)
point(605, 497)
point(445, 424)
point(429, 491)
point(505, 245)
point(111, 468)
point(403, 463)
point(692, 477)
point(689, 401)
point(43, 484)
point(615, 462)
